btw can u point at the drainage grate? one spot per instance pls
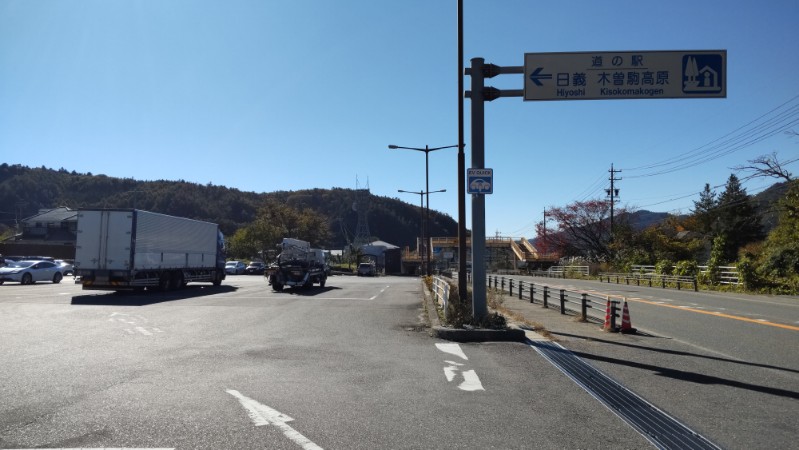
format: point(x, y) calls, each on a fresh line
point(659, 428)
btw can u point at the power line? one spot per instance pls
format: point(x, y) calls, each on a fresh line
point(735, 140)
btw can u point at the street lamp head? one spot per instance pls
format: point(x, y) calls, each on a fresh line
point(393, 147)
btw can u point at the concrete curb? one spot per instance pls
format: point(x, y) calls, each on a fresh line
point(512, 334)
point(479, 334)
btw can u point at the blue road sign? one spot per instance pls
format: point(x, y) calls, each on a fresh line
point(480, 181)
point(625, 75)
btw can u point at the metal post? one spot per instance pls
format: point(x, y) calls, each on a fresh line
point(521, 289)
point(563, 301)
point(479, 305)
point(462, 274)
point(427, 210)
point(532, 293)
point(511, 288)
point(546, 296)
point(584, 305)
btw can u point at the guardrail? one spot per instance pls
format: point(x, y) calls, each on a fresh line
point(588, 306)
point(726, 274)
point(652, 279)
point(441, 292)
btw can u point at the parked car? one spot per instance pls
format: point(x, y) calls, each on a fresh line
point(255, 268)
point(29, 272)
point(235, 267)
point(67, 269)
point(366, 270)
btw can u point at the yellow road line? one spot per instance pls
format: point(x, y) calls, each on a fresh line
point(716, 314)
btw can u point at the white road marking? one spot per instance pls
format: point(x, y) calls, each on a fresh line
point(264, 415)
point(379, 293)
point(471, 382)
point(452, 349)
point(143, 331)
point(450, 371)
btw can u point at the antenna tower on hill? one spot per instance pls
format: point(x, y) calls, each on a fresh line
point(361, 206)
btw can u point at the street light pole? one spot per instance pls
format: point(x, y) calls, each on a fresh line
point(422, 242)
point(426, 151)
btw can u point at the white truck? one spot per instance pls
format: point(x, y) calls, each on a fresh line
point(297, 265)
point(131, 249)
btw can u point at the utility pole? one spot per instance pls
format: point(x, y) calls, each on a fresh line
point(613, 193)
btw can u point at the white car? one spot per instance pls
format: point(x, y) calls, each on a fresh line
point(66, 268)
point(29, 272)
point(235, 267)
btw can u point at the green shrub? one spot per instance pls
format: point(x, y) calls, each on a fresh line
point(664, 267)
point(686, 268)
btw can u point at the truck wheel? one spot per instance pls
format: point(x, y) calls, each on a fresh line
point(322, 282)
point(57, 277)
point(164, 283)
point(217, 279)
point(176, 281)
point(277, 287)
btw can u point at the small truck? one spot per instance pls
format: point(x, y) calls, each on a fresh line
point(297, 265)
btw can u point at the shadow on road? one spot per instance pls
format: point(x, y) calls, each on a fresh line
point(684, 375)
point(124, 298)
point(306, 292)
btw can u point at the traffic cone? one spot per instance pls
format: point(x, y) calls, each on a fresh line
point(626, 326)
point(607, 326)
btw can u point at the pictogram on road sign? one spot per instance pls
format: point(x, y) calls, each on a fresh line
point(480, 181)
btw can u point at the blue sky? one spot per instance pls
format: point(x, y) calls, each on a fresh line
point(270, 95)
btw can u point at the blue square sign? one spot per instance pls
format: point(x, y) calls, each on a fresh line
point(480, 181)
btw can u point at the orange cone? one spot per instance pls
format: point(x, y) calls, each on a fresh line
point(626, 326)
point(607, 326)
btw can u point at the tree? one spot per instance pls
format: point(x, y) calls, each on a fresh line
point(737, 220)
point(583, 230)
point(768, 166)
point(275, 221)
point(705, 210)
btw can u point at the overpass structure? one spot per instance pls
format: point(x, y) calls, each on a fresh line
point(501, 253)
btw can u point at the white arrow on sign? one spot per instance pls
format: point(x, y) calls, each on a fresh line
point(264, 415)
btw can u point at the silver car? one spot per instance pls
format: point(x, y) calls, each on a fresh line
point(235, 267)
point(29, 272)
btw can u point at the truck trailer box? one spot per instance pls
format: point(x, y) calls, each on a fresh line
point(141, 240)
point(131, 249)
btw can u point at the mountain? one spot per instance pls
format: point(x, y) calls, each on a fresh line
point(25, 191)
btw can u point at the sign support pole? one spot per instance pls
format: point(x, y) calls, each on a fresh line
point(479, 306)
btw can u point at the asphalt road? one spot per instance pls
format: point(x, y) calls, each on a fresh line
point(240, 366)
point(726, 364)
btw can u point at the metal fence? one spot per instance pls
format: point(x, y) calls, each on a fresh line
point(588, 306)
point(441, 292)
point(727, 274)
point(650, 279)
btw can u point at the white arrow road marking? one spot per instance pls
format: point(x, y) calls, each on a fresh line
point(264, 415)
point(450, 371)
point(452, 349)
point(471, 382)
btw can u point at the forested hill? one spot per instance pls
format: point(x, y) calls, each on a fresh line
point(24, 191)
